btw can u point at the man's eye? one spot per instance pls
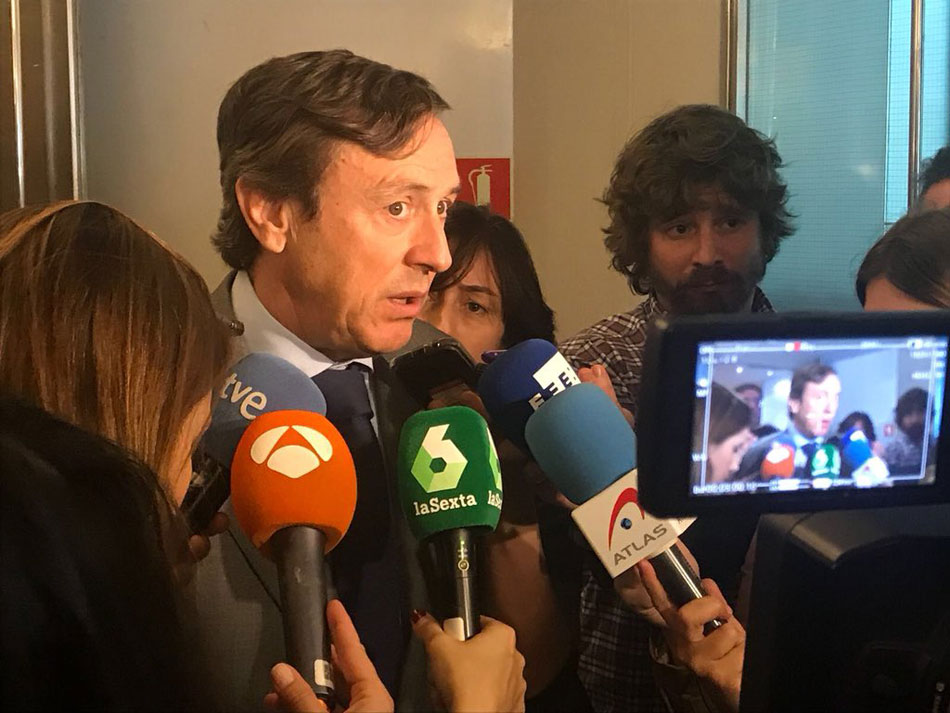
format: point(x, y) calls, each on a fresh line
point(678, 229)
point(474, 307)
point(733, 223)
point(397, 209)
point(443, 207)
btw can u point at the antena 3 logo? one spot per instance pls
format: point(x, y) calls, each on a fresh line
point(291, 459)
point(637, 539)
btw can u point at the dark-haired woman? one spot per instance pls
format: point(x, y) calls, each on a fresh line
point(909, 267)
point(730, 435)
point(490, 298)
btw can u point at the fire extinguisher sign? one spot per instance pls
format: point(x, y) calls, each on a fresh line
point(486, 181)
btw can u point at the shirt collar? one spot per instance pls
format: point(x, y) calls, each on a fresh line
point(263, 333)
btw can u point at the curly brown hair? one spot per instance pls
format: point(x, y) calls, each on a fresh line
point(279, 122)
point(662, 171)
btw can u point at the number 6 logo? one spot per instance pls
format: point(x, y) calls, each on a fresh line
point(439, 463)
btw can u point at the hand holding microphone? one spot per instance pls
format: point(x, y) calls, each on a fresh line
point(588, 450)
point(293, 491)
point(449, 482)
point(715, 656)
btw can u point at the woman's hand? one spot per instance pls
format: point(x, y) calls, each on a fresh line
point(367, 693)
point(716, 657)
point(484, 673)
point(200, 545)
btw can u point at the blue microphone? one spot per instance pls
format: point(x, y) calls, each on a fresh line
point(516, 383)
point(584, 445)
point(582, 442)
point(258, 383)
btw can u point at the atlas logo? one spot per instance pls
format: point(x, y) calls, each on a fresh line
point(627, 496)
point(292, 451)
point(638, 539)
point(553, 377)
point(439, 464)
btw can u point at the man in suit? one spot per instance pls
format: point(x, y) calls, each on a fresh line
point(812, 404)
point(336, 174)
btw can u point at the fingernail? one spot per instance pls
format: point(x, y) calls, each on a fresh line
point(417, 614)
point(492, 354)
point(282, 675)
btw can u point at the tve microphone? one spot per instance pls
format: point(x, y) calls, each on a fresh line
point(256, 384)
point(293, 491)
point(449, 482)
point(779, 460)
point(519, 380)
point(588, 450)
point(867, 469)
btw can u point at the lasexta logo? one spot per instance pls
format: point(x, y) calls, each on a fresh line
point(439, 464)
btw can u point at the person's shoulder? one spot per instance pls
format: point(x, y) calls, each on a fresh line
point(613, 335)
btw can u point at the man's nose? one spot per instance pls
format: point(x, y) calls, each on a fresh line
point(707, 249)
point(430, 249)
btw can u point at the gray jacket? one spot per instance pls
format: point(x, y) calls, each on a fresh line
point(236, 592)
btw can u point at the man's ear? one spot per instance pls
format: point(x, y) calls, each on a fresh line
point(794, 405)
point(268, 219)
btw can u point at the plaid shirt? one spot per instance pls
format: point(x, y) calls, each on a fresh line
point(615, 665)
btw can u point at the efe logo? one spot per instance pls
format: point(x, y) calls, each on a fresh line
point(290, 456)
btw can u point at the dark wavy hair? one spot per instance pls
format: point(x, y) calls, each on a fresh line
point(935, 169)
point(914, 256)
point(663, 169)
point(472, 230)
point(278, 124)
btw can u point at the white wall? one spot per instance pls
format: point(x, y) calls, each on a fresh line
point(588, 74)
point(155, 72)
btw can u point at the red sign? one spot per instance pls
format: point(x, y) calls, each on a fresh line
point(486, 181)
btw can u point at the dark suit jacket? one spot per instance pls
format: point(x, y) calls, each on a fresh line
point(236, 590)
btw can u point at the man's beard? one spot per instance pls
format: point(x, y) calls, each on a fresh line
point(711, 289)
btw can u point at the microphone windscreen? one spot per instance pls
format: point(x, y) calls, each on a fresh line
point(779, 460)
point(258, 383)
point(519, 380)
point(826, 462)
point(448, 473)
point(292, 468)
point(856, 450)
point(581, 441)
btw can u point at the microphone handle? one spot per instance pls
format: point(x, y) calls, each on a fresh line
point(455, 557)
point(680, 581)
point(209, 490)
point(299, 553)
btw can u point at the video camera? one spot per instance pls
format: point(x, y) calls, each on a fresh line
point(826, 416)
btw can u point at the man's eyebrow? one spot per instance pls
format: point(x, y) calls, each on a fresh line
point(390, 187)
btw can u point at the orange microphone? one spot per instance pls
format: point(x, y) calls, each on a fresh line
point(293, 491)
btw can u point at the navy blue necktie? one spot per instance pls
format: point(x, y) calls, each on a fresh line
point(366, 565)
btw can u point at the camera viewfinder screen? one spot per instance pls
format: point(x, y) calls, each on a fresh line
point(776, 415)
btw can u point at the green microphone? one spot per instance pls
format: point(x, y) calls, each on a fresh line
point(450, 489)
